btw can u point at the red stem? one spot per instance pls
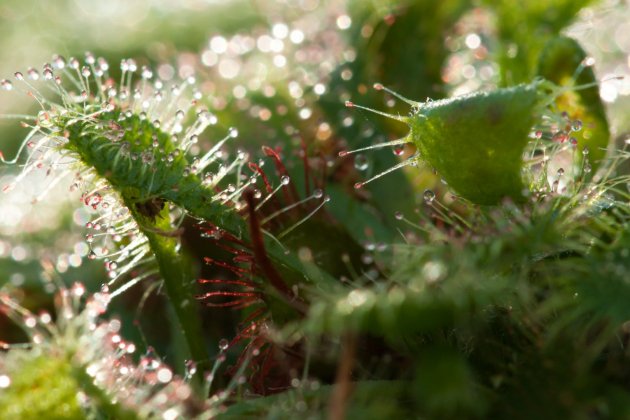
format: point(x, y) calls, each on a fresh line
point(263, 260)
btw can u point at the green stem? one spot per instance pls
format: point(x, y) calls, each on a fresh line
point(179, 283)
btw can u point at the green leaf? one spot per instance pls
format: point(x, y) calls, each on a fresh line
point(524, 27)
point(369, 399)
point(476, 142)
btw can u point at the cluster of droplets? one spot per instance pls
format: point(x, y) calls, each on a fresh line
point(114, 236)
point(86, 96)
point(85, 91)
point(553, 159)
point(78, 334)
point(558, 129)
point(150, 388)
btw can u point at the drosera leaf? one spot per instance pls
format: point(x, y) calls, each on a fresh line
point(475, 142)
point(565, 63)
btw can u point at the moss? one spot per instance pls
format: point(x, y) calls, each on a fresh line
point(42, 387)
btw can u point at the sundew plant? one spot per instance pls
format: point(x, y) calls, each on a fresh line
point(315, 208)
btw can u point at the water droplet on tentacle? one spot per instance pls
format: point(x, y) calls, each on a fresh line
point(428, 196)
point(360, 162)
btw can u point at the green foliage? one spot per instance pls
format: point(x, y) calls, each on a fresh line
point(42, 387)
point(524, 29)
point(500, 292)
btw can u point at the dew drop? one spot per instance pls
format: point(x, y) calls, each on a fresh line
point(398, 215)
point(149, 361)
point(587, 168)
point(361, 162)
point(92, 255)
point(6, 84)
point(146, 73)
point(32, 74)
point(399, 150)
point(30, 321)
point(585, 151)
point(428, 196)
point(223, 344)
point(164, 375)
point(203, 115)
point(285, 179)
point(318, 193)
point(89, 58)
point(560, 137)
point(43, 119)
point(349, 104)
point(19, 76)
point(59, 62)
point(78, 289)
point(190, 367)
point(560, 172)
point(576, 125)
point(358, 185)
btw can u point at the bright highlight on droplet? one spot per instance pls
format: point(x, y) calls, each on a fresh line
point(473, 41)
point(344, 22)
point(164, 375)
